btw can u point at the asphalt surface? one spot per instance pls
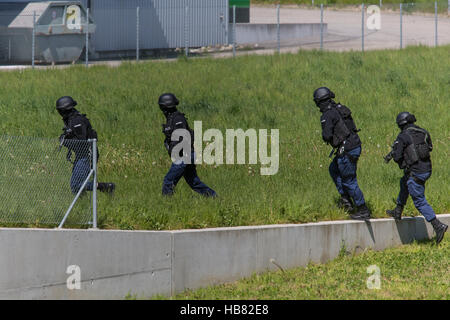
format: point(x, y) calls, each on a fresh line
point(345, 28)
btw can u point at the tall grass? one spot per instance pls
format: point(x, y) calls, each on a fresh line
point(247, 92)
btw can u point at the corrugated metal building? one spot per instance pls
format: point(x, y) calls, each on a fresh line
point(162, 23)
point(58, 26)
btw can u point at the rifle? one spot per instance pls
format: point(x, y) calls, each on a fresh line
point(337, 151)
point(62, 138)
point(332, 152)
point(390, 155)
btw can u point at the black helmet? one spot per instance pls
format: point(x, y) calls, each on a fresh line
point(322, 94)
point(65, 104)
point(404, 118)
point(168, 101)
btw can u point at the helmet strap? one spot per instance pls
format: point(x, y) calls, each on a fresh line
point(324, 105)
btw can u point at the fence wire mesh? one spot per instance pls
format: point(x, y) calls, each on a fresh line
point(16, 38)
point(338, 27)
point(39, 179)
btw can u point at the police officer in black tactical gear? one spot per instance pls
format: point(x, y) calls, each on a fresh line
point(77, 129)
point(411, 151)
point(339, 130)
point(183, 165)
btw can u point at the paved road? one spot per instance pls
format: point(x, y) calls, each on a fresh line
point(344, 28)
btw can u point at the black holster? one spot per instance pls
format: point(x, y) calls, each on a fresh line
point(417, 180)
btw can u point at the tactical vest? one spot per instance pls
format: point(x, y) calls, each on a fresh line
point(80, 148)
point(170, 127)
point(91, 133)
point(345, 125)
point(419, 148)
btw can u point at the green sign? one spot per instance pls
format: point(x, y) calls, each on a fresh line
point(240, 3)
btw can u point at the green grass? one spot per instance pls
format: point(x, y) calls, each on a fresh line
point(261, 92)
point(417, 271)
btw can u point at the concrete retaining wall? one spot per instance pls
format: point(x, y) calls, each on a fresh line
point(33, 262)
point(248, 33)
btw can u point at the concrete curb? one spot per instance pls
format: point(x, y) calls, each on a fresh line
point(33, 262)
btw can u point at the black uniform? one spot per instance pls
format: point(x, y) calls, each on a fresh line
point(78, 127)
point(405, 139)
point(411, 151)
point(77, 131)
point(339, 130)
point(338, 127)
point(176, 120)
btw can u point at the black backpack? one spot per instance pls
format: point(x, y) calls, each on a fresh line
point(345, 126)
point(419, 149)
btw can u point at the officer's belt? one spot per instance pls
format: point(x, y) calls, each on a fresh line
point(417, 180)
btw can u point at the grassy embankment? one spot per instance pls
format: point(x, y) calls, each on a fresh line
point(261, 92)
point(418, 271)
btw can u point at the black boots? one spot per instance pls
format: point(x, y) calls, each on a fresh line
point(345, 203)
point(440, 228)
point(108, 187)
point(362, 213)
point(396, 213)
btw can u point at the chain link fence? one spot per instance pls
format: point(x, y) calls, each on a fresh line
point(358, 27)
point(41, 178)
point(17, 38)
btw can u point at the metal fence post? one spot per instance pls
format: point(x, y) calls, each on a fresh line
point(436, 24)
point(401, 26)
point(234, 31)
point(278, 29)
point(80, 191)
point(33, 40)
point(87, 37)
point(137, 34)
point(94, 184)
point(362, 27)
point(321, 26)
point(186, 35)
point(227, 25)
